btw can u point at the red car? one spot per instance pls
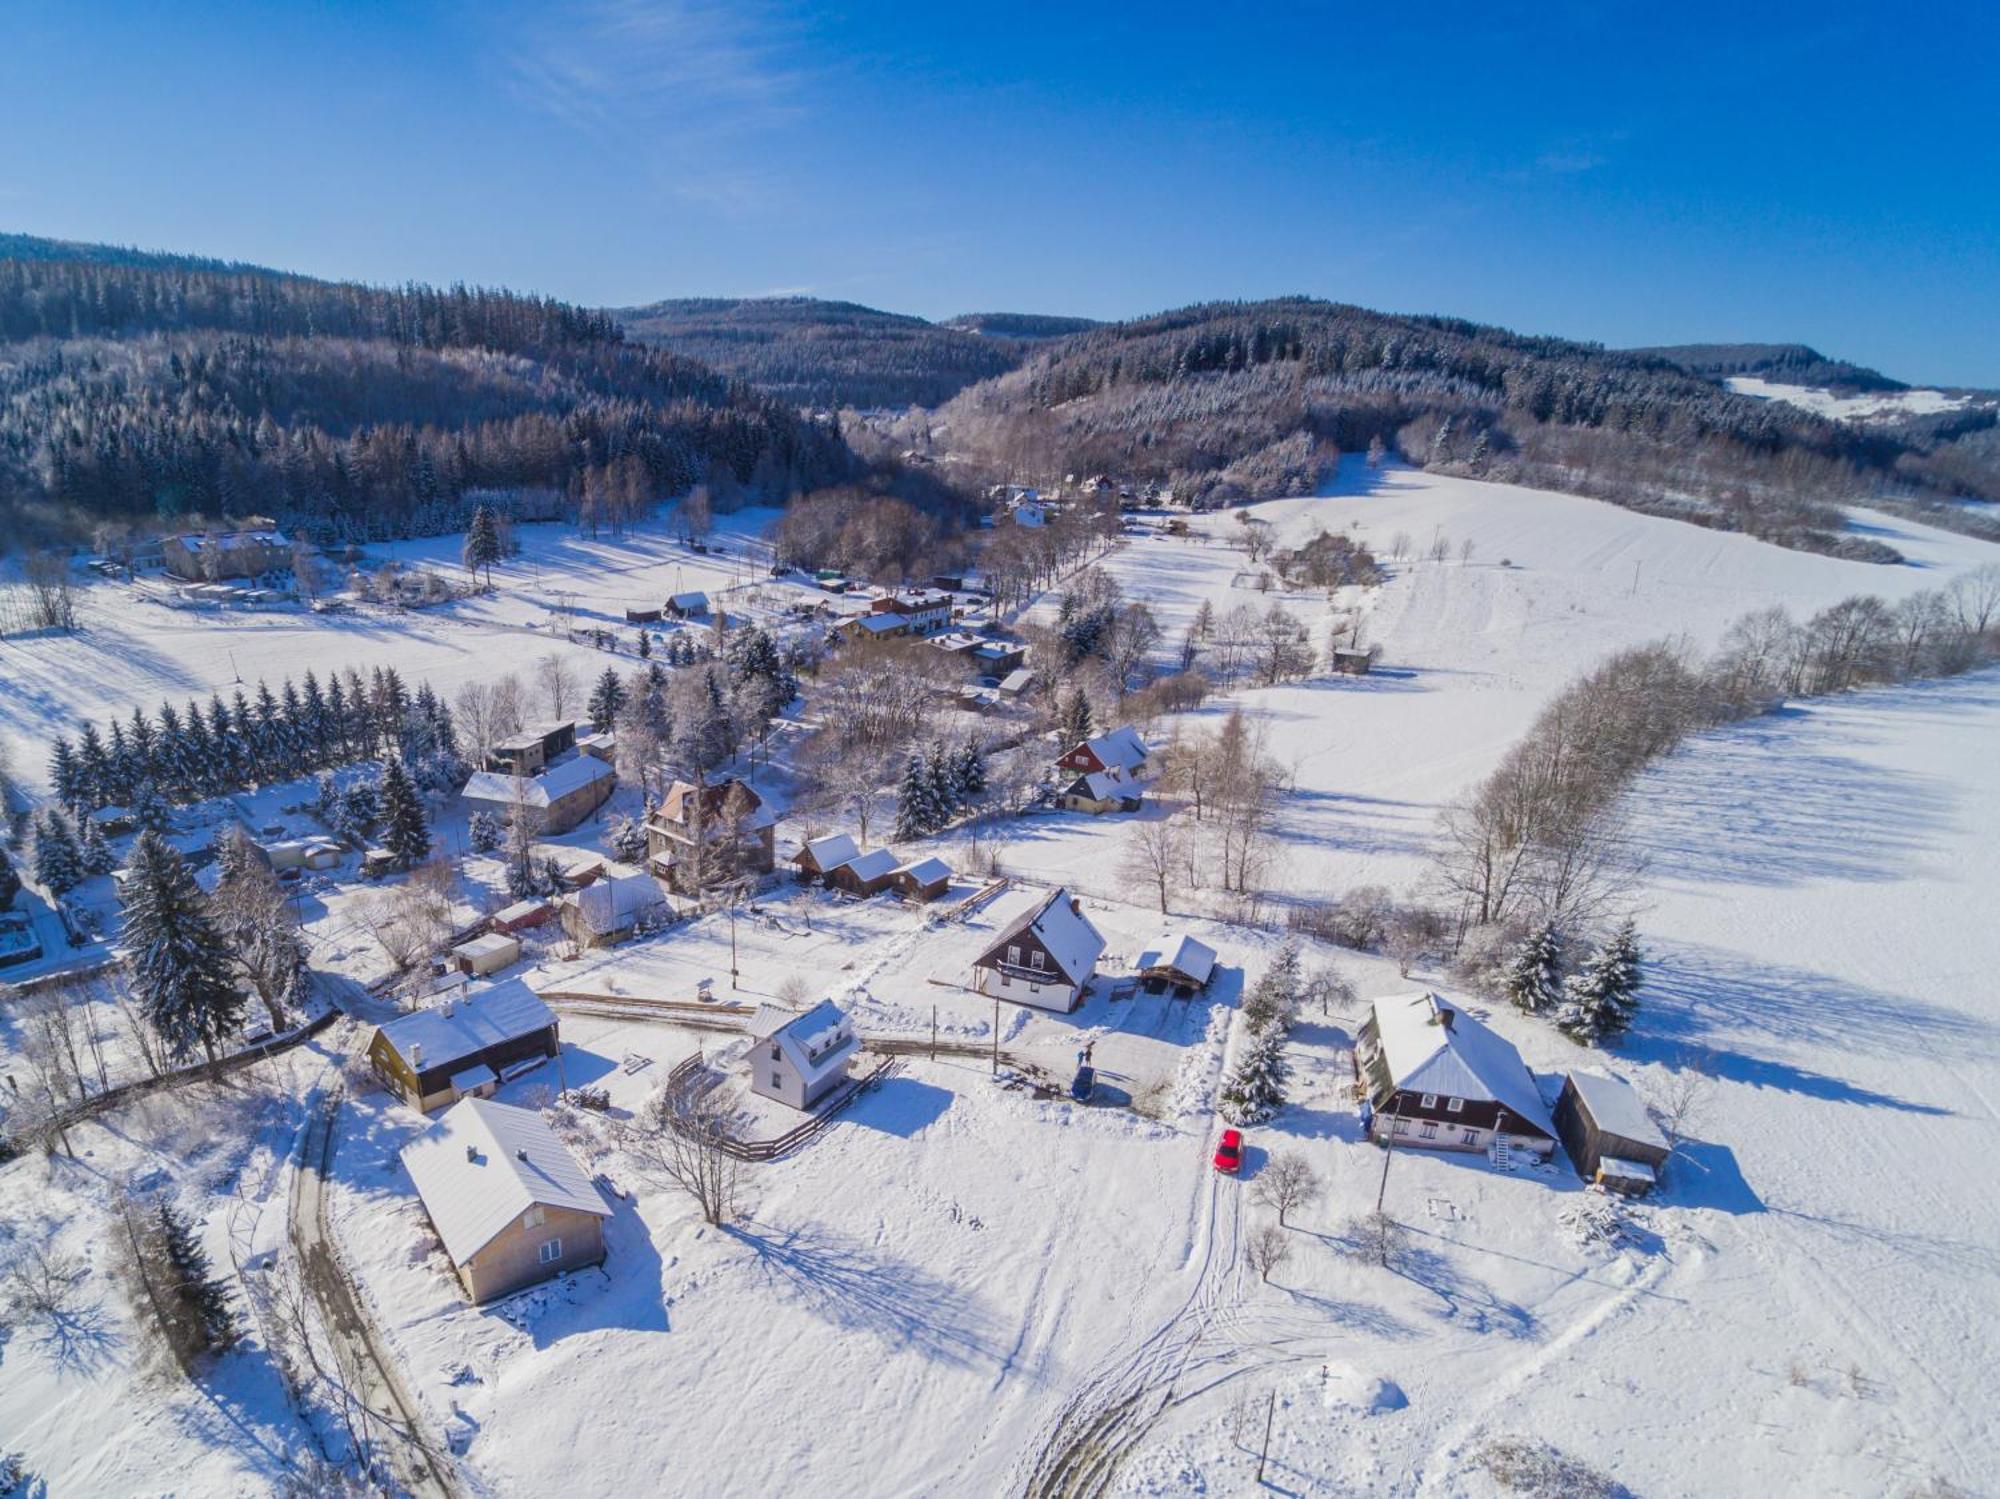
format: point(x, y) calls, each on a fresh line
point(1229, 1154)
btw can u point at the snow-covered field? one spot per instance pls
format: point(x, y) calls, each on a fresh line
point(917, 1301)
point(1871, 406)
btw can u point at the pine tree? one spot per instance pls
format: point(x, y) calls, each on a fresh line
point(482, 544)
point(645, 644)
point(1275, 1000)
point(970, 769)
point(149, 809)
point(916, 808)
point(484, 832)
point(1255, 1087)
point(605, 700)
point(180, 965)
point(66, 775)
point(942, 774)
point(1073, 719)
point(1533, 977)
point(58, 860)
point(197, 1292)
point(1602, 999)
point(10, 882)
point(93, 769)
point(95, 849)
point(406, 832)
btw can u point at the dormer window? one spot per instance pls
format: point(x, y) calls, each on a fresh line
point(1430, 1100)
point(1455, 1106)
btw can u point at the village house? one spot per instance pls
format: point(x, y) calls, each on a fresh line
point(922, 879)
point(1099, 792)
point(521, 915)
point(464, 1046)
point(819, 857)
point(301, 853)
point(1181, 964)
point(1434, 1077)
point(692, 837)
point(526, 753)
point(556, 798)
point(800, 1059)
point(509, 1202)
point(203, 556)
point(1611, 1139)
point(608, 910)
point(1045, 957)
point(1119, 754)
point(691, 605)
point(864, 874)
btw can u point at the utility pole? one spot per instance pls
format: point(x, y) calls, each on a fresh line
point(732, 941)
point(1387, 1155)
point(933, 1033)
point(996, 1035)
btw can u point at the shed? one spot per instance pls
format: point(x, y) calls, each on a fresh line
point(642, 616)
point(923, 879)
point(1353, 663)
point(865, 874)
point(302, 853)
point(485, 955)
point(1181, 963)
point(690, 605)
point(609, 910)
point(1610, 1137)
point(521, 915)
point(510, 1204)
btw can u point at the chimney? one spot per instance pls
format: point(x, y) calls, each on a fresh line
point(472, 1154)
point(521, 1154)
point(416, 1056)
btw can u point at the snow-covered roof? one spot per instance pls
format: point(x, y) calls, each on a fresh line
point(1617, 1109)
point(229, 541)
point(816, 1042)
point(484, 1164)
point(881, 624)
point(544, 787)
point(1183, 955)
point(1016, 680)
point(1624, 1170)
point(609, 903)
point(873, 865)
point(692, 601)
point(1107, 786)
point(467, 1026)
point(1119, 749)
point(830, 852)
point(927, 871)
point(1061, 927)
point(490, 942)
point(1455, 1058)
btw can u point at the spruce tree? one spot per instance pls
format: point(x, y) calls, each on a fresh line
point(58, 860)
point(645, 644)
point(606, 698)
point(406, 832)
point(1073, 719)
point(915, 807)
point(201, 1296)
point(95, 849)
point(1601, 1000)
point(482, 544)
point(65, 775)
point(971, 772)
point(942, 774)
point(180, 965)
point(1533, 977)
point(10, 882)
point(1255, 1087)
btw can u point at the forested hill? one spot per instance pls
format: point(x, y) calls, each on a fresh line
point(823, 354)
point(35, 247)
point(1236, 400)
point(1787, 364)
point(156, 392)
point(1020, 325)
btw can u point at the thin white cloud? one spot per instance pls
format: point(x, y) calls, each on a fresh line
point(674, 82)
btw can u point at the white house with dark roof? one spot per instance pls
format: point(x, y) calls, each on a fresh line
point(1435, 1077)
point(798, 1059)
point(509, 1203)
point(1044, 957)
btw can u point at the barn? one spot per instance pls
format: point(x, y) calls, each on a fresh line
point(1610, 1137)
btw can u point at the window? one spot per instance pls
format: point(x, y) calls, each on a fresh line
point(1014, 955)
point(774, 1051)
point(1456, 1106)
point(1037, 960)
point(1430, 1132)
point(1472, 1137)
point(1402, 1126)
point(1430, 1100)
point(551, 1251)
point(533, 1217)
point(777, 1081)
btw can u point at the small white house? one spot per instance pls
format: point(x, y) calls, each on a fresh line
point(799, 1059)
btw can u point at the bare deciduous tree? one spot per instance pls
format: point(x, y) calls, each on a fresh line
point(1154, 856)
point(679, 1140)
point(1287, 1183)
point(1378, 1237)
point(558, 681)
point(1267, 1249)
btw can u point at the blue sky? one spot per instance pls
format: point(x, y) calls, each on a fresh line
point(1628, 172)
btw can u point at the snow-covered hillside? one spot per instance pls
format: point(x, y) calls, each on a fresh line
point(925, 1298)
